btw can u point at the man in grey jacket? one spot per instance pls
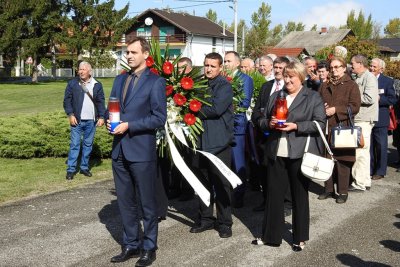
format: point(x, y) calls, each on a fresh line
point(366, 119)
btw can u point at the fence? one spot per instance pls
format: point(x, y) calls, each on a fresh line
point(101, 73)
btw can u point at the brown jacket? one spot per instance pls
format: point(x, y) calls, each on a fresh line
point(341, 94)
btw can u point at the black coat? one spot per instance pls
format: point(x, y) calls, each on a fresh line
point(306, 107)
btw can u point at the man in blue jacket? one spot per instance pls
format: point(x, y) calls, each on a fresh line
point(232, 64)
point(217, 139)
point(143, 109)
point(84, 105)
point(379, 135)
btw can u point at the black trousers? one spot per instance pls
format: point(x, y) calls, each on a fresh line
point(281, 173)
point(218, 186)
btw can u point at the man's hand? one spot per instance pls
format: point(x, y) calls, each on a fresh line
point(72, 120)
point(121, 128)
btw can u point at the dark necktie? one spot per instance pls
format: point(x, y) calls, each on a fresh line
point(128, 88)
point(277, 86)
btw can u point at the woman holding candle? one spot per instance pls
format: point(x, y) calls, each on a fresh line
point(284, 150)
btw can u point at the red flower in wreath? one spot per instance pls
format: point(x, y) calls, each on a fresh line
point(187, 83)
point(149, 61)
point(167, 68)
point(330, 56)
point(169, 89)
point(229, 78)
point(195, 105)
point(189, 119)
point(155, 71)
point(123, 71)
point(179, 99)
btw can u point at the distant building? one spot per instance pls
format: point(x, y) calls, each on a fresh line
point(191, 36)
point(312, 41)
point(390, 47)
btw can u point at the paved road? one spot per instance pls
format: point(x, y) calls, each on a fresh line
point(82, 227)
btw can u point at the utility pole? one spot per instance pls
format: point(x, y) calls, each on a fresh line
point(235, 33)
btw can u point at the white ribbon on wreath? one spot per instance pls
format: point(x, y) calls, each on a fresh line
point(194, 182)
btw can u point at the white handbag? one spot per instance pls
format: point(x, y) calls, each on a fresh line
point(315, 167)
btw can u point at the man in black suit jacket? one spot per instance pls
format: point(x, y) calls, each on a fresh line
point(143, 109)
point(379, 135)
point(216, 139)
point(266, 91)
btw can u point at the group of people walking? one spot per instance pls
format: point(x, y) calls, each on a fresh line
point(321, 93)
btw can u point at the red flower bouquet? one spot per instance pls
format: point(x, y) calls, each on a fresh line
point(187, 83)
point(167, 68)
point(179, 99)
point(189, 119)
point(149, 61)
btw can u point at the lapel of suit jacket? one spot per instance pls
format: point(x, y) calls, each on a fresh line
point(139, 84)
point(299, 98)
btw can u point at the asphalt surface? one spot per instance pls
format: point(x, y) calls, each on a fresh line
point(82, 227)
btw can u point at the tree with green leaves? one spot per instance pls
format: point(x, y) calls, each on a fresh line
point(354, 46)
point(314, 28)
point(292, 26)
point(392, 29)
point(29, 28)
point(259, 33)
point(91, 26)
point(361, 27)
point(212, 15)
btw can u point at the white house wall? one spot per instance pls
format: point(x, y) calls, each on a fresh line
point(199, 46)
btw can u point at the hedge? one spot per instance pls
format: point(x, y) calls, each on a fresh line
point(44, 135)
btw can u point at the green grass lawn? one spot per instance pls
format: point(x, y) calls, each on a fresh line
point(34, 98)
point(21, 178)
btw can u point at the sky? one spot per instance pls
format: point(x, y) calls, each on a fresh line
point(323, 13)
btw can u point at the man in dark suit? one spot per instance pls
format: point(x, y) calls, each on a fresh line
point(216, 139)
point(266, 91)
point(143, 110)
point(232, 64)
point(379, 135)
point(84, 105)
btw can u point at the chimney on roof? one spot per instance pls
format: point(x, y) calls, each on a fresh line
point(324, 30)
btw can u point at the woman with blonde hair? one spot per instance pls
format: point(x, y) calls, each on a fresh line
point(284, 152)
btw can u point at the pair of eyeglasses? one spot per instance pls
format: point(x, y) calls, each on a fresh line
point(336, 67)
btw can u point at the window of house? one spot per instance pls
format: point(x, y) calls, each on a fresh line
point(166, 31)
point(173, 53)
point(144, 31)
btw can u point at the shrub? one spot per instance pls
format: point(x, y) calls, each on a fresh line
point(44, 135)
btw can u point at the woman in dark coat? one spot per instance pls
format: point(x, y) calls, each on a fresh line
point(284, 151)
point(338, 93)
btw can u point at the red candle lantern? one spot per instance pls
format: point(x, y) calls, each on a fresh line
point(114, 112)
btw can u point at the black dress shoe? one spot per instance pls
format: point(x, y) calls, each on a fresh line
point(224, 231)
point(325, 195)
point(260, 207)
point(86, 173)
point(298, 248)
point(201, 228)
point(70, 176)
point(126, 254)
point(161, 218)
point(342, 198)
point(146, 259)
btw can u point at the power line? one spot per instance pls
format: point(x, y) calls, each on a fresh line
point(204, 4)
